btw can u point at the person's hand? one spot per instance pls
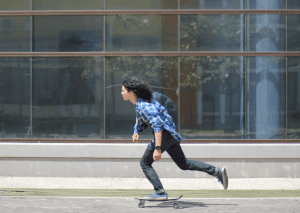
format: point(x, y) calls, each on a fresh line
point(156, 155)
point(135, 137)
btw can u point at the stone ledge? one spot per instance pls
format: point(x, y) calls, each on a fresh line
point(119, 151)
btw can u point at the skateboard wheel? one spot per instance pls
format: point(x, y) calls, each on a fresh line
point(175, 205)
point(141, 205)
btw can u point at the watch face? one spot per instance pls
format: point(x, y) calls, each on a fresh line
point(157, 147)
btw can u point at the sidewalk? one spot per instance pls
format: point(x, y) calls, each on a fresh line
point(143, 183)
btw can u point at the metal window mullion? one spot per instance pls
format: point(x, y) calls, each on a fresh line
point(104, 76)
point(31, 80)
point(246, 77)
point(286, 75)
point(146, 12)
point(178, 72)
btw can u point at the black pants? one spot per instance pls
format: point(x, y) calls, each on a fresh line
point(173, 148)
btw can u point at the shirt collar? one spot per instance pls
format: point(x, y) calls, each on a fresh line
point(138, 103)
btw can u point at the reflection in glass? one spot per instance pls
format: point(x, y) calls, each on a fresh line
point(293, 4)
point(140, 4)
point(14, 34)
point(266, 33)
point(211, 4)
point(293, 33)
point(266, 98)
point(68, 33)
point(161, 73)
point(266, 5)
point(68, 97)
point(15, 97)
point(68, 5)
point(211, 32)
point(211, 97)
point(141, 33)
point(15, 5)
point(293, 98)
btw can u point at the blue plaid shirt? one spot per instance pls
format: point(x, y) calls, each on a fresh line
point(155, 115)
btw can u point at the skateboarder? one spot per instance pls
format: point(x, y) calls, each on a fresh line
point(150, 113)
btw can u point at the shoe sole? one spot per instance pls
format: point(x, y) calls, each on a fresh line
point(225, 178)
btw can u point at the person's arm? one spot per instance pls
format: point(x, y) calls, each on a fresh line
point(135, 136)
point(157, 153)
point(152, 115)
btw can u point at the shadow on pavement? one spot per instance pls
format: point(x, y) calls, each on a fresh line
point(184, 205)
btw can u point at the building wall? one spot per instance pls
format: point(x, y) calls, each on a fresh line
point(122, 160)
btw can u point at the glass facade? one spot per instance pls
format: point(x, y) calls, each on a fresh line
point(67, 33)
point(228, 75)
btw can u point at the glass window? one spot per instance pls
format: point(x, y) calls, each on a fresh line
point(266, 98)
point(211, 4)
point(293, 4)
point(68, 5)
point(211, 97)
point(68, 33)
point(15, 5)
point(14, 34)
point(266, 5)
point(15, 97)
point(161, 73)
point(141, 33)
point(293, 98)
point(211, 32)
point(293, 32)
point(266, 33)
point(140, 4)
point(68, 97)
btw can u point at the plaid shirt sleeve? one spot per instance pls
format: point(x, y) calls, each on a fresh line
point(151, 114)
point(139, 126)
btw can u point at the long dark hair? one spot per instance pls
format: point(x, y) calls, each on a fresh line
point(139, 87)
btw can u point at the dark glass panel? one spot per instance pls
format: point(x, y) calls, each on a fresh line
point(211, 33)
point(68, 97)
point(140, 4)
point(293, 32)
point(15, 5)
point(211, 4)
point(266, 5)
point(293, 98)
point(15, 97)
point(14, 34)
point(293, 4)
point(68, 5)
point(68, 33)
point(141, 33)
point(211, 97)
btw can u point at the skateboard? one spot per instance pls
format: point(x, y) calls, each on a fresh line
point(172, 200)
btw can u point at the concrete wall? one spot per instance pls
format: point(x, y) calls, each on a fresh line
point(122, 160)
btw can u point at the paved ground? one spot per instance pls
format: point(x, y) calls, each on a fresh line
point(37, 204)
point(96, 195)
point(143, 183)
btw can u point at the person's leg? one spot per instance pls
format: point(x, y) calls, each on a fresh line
point(183, 163)
point(179, 158)
point(146, 164)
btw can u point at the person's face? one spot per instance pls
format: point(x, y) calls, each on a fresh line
point(126, 95)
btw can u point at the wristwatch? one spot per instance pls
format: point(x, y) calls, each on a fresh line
point(158, 148)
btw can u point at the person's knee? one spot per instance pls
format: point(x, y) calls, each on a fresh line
point(183, 166)
point(143, 164)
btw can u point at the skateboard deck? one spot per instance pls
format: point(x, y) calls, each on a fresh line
point(172, 200)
